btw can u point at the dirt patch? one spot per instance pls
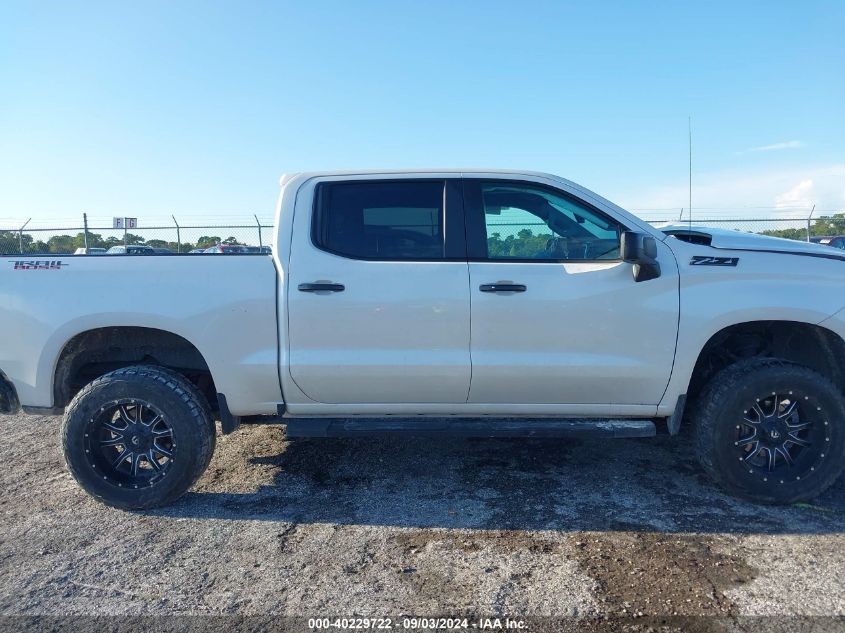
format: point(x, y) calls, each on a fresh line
point(648, 574)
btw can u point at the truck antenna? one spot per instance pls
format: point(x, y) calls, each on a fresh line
point(689, 129)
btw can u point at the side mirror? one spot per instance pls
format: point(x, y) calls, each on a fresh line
point(640, 250)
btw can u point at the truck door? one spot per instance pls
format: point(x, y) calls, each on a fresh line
point(557, 317)
point(378, 292)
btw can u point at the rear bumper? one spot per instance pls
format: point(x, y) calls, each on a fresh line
point(9, 402)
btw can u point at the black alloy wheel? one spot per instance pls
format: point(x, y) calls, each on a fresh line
point(782, 436)
point(770, 430)
point(138, 437)
point(130, 442)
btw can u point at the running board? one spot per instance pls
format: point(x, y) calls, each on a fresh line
point(460, 427)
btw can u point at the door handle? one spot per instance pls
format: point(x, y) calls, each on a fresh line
point(502, 288)
point(321, 287)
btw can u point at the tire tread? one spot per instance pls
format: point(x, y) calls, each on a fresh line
point(708, 420)
point(198, 407)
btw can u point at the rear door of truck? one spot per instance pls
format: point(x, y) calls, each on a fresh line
point(378, 291)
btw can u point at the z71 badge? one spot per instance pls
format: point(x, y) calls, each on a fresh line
point(38, 264)
point(703, 260)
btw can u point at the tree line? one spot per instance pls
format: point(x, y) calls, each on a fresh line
point(833, 225)
point(14, 242)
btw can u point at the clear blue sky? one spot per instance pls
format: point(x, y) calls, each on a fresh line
point(196, 108)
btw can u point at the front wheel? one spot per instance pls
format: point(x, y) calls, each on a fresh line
point(771, 431)
point(138, 437)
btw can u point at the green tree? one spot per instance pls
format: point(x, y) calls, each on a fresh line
point(11, 242)
point(207, 241)
point(834, 225)
point(39, 247)
point(524, 245)
point(61, 244)
point(95, 240)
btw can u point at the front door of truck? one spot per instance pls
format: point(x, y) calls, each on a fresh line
point(557, 317)
point(378, 292)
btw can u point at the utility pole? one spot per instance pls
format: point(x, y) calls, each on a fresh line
point(20, 236)
point(85, 225)
point(689, 128)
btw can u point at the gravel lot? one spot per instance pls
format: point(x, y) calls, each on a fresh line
point(386, 527)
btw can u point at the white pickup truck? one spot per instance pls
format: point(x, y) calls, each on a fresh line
point(465, 302)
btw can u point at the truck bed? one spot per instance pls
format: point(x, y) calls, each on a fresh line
point(47, 300)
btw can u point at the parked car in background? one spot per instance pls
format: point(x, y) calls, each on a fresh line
point(89, 251)
point(133, 249)
point(196, 250)
point(836, 241)
point(162, 251)
point(228, 249)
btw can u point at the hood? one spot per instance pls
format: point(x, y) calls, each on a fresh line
point(738, 240)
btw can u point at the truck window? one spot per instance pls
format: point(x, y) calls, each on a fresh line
point(525, 222)
point(387, 220)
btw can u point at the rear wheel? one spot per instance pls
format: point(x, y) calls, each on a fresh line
point(138, 437)
point(771, 431)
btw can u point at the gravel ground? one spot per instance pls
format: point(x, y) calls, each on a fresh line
point(477, 527)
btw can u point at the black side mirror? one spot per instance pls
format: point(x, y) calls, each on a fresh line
point(640, 250)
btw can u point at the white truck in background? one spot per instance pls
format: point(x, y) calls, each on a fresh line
point(465, 302)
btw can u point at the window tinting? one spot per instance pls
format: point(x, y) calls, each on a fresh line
point(525, 222)
point(396, 220)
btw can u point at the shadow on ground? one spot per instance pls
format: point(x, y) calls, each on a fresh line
point(499, 484)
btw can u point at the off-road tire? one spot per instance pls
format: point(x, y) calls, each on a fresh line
point(187, 414)
point(722, 407)
point(200, 398)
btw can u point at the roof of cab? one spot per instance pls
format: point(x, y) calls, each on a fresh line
point(285, 178)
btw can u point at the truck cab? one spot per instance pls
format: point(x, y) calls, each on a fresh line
point(490, 294)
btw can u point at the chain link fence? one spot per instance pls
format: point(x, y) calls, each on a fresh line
point(791, 228)
point(184, 239)
point(176, 239)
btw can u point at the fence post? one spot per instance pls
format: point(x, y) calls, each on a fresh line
point(85, 228)
point(260, 242)
point(809, 222)
point(178, 235)
point(20, 236)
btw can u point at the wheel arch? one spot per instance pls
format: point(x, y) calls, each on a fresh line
point(807, 344)
point(93, 352)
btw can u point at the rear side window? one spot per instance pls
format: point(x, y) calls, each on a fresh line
point(388, 220)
